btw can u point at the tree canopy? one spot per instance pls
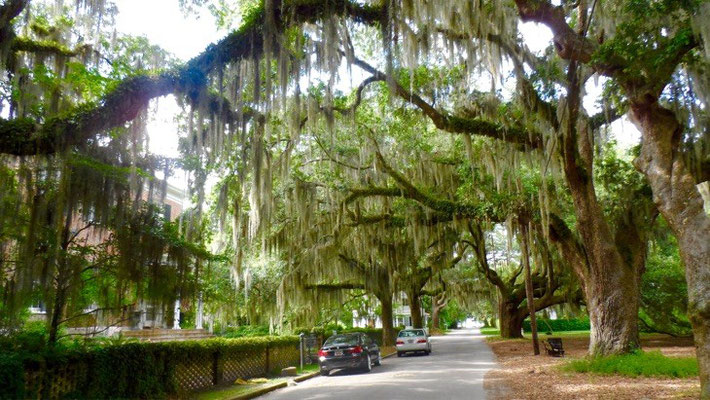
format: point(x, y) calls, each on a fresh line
point(452, 132)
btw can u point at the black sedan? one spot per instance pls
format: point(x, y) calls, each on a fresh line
point(348, 351)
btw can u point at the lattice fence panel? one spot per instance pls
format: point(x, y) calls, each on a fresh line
point(282, 357)
point(54, 381)
point(33, 382)
point(243, 364)
point(195, 373)
point(68, 378)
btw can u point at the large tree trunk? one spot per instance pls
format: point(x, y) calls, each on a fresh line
point(415, 308)
point(387, 327)
point(612, 302)
point(435, 318)
point(678, 199)
point(611, 284)
point(511, 323)
point(438, 302)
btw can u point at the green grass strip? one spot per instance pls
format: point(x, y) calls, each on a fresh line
point(648, 364)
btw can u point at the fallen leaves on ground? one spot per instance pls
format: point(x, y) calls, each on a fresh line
point(524, 376)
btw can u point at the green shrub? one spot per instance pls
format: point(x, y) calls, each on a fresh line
point(558, 325)
point(637, 364)
point(12, 376)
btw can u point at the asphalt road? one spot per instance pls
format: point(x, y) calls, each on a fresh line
point(454, 370)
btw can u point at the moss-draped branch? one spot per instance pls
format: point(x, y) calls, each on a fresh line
point(457, 124)
point(79, 125)
point(24, 136)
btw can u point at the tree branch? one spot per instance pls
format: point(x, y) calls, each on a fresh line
point(335, 286)
point(24, 136)
point(568, 43)
point(408, 190)
point(8, 11)
point(456, 124)
point(42, 46)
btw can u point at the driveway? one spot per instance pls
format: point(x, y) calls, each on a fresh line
point(454, 370)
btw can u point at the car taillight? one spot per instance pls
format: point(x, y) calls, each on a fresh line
point(421, 341)
point(400, 342)
point(322, 353)
point(356, 350)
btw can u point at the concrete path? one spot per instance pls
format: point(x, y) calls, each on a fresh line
point(454, 370)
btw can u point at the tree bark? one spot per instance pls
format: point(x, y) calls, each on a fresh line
point(435, 319)
point(438, 302)
point(387, 326)
point(415, 308)
point(511, 324)
point(611, 284)
point(678, 199)
point(57, 312)
point(613, 302)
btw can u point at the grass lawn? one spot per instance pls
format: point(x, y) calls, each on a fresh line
point(490, 331)
point(307, 369)
point(229, 392)
point(493, 334)
point(641, 363)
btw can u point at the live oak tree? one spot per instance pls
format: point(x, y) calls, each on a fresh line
point(641, 47)
point(641, 55)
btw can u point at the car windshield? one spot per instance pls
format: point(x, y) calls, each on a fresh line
point(412, 333)
point(348, 339)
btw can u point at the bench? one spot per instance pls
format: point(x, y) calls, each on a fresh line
point(553, 346)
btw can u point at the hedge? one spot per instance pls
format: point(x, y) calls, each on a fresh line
point(558, 325)
point(129, 370)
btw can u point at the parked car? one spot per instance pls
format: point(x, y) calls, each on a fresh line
point(413, 340)
point(348, 351)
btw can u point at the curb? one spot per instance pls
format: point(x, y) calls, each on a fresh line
point(389, 355)
point(271, 388)
point(307, 376)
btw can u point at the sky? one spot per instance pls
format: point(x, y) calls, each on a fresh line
point(164, 24)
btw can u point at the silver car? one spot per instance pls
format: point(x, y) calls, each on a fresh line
point(413, 340)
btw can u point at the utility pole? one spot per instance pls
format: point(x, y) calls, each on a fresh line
point(528, 283)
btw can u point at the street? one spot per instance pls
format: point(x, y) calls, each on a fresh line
point(454, 370)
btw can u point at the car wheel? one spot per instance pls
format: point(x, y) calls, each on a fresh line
point(378, 362)
point(427, 352)
point(325, 372)
point(368, 364)
point(399, 354)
